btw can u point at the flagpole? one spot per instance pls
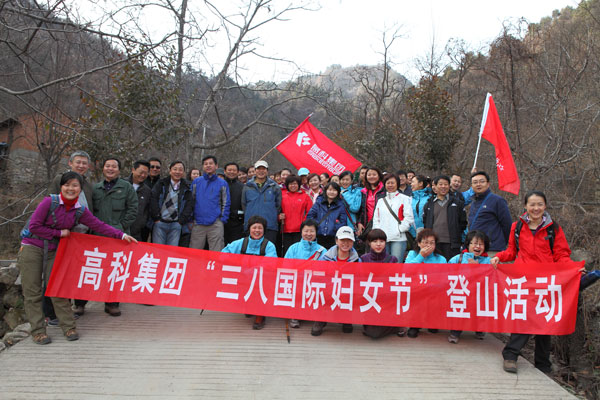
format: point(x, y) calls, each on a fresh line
point(483, 120)
point(286, 136)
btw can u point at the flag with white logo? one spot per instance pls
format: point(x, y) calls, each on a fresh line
point(307, 147)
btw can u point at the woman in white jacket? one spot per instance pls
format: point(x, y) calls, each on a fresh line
point(394, 215)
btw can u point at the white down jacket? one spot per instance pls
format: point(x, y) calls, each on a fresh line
point(384, 220)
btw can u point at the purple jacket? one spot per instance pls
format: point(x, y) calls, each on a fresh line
point(372, 257)
point(40, 224)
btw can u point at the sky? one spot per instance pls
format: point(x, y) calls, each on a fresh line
point(349, 32)
point(344, 32)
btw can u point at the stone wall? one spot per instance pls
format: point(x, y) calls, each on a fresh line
point(12, 315)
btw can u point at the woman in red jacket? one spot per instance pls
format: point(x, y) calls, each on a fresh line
point(540, 240)
point(295, 204)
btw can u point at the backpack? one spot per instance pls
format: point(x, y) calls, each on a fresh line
point(551, 229)
point(55, 202)
point(263, 246)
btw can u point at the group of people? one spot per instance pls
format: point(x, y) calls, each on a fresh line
point(399, 217)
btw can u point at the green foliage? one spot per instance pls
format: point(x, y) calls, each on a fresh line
point(141, 113)
point(433, 123)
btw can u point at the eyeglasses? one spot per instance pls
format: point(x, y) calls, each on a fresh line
point(155, 167)
point(480, 182)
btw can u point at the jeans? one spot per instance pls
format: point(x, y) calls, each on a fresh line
point(397, 249)
point(166, 233)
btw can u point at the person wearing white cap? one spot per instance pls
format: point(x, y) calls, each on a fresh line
point(343, 251)
point(262, 196)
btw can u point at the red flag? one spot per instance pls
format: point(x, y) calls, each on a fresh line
point(307, 147)
point(491, 130)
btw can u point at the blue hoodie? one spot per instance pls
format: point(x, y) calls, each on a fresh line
point(419, 199)
point(414, 257)
point(235, 247)
point(466, 256)
point(212, 199)
point(303, 250)
point(353, 198)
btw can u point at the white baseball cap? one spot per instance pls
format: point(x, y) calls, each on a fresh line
point(345, 232)
point(261, 163)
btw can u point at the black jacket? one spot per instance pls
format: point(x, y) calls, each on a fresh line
point(185, 204)
point(236, 213)
point(457, 219)
point(144, 193)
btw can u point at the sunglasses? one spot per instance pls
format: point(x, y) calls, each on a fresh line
point(155, 167)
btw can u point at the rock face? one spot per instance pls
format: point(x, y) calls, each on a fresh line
point(9, 274)
point(12, 316)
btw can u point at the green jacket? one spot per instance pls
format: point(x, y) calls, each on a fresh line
point(117, 207)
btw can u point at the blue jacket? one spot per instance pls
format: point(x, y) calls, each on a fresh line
point(466, 256)
point(493, 219)
point(419, 199)
point(265, 202)
point(334, 221)
point(353, 198)
point(212, 199)
point(303, 250)
point(235, 247)
point(414, 257)
point(331, 255)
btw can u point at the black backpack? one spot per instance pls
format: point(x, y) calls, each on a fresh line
point(263, 246)
point(551, 229)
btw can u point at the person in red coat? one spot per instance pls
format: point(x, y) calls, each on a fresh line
point(295, 204)
point(534, 245)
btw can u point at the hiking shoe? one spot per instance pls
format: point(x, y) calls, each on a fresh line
point(113, 311)
point(41, 338)
point(347, 328)
point(480, 335)
point(412, 332)
point(294, 323)
point(510, 366)
point(52, 322)
point(78, 310)
point(317, 328)
point(401, 332)
point(259, 323)
point(453, 339)
point(72, 334)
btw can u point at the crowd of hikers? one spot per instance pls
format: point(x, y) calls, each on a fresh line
point(365, 216)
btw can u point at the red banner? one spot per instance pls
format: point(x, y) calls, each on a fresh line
point(307, 147)
point(522, 298)
point(491, 130)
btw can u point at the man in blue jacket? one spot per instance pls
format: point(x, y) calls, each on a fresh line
point(261, 196)
point(489, 213)
point(211, 207)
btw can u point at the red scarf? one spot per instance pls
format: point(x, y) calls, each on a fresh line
point(68, 203)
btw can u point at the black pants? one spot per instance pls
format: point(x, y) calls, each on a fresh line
point(271, 236)
point(326, 241)
point(233, 233)
point(543, 343)
point(446, 250)
point(289, 239)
